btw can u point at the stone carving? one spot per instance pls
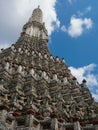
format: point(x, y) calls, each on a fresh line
point(37, 90)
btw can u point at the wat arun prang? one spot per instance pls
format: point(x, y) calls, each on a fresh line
point(37, 90)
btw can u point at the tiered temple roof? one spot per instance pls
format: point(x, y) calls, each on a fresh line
point(37, 90)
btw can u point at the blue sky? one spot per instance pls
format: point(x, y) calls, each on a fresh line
point(80, 50)
point(72, 27)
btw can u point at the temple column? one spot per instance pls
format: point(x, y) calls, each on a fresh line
point(54, 124)
point(77, 125)
point(14, 125)
point(29, 120)
point(3, 115)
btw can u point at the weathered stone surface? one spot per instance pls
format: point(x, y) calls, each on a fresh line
point(37, 90)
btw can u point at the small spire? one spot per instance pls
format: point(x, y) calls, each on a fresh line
point(38, 6)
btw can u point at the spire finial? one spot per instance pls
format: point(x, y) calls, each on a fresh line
point(38, 6)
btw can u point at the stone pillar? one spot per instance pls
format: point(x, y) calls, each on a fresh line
point(41, 127)
point(54, 124)
point(3, 115)
point(29, 120)
point(77, 125)
point(14, 125)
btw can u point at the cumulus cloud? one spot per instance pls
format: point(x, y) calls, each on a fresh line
point(85, 72)
point(88, 73)
point(15, 13)
point(78, 26)
point(95, 95)
point(4, 45)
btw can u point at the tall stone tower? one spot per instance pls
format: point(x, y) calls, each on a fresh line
point(37, 90)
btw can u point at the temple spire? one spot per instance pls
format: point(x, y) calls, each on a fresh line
point(35, 29)
point(37, 90)
point(38, 6)
point(37, 15)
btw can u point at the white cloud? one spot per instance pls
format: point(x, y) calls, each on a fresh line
point(4, 45)
point(63, 28)
point(88, 73)
point(92, 80)
point(15, 13)
point(85, 11)
point(88, 9)
point(71, 1)
point(85, 72)
point(95, 96)
point(78, 26)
